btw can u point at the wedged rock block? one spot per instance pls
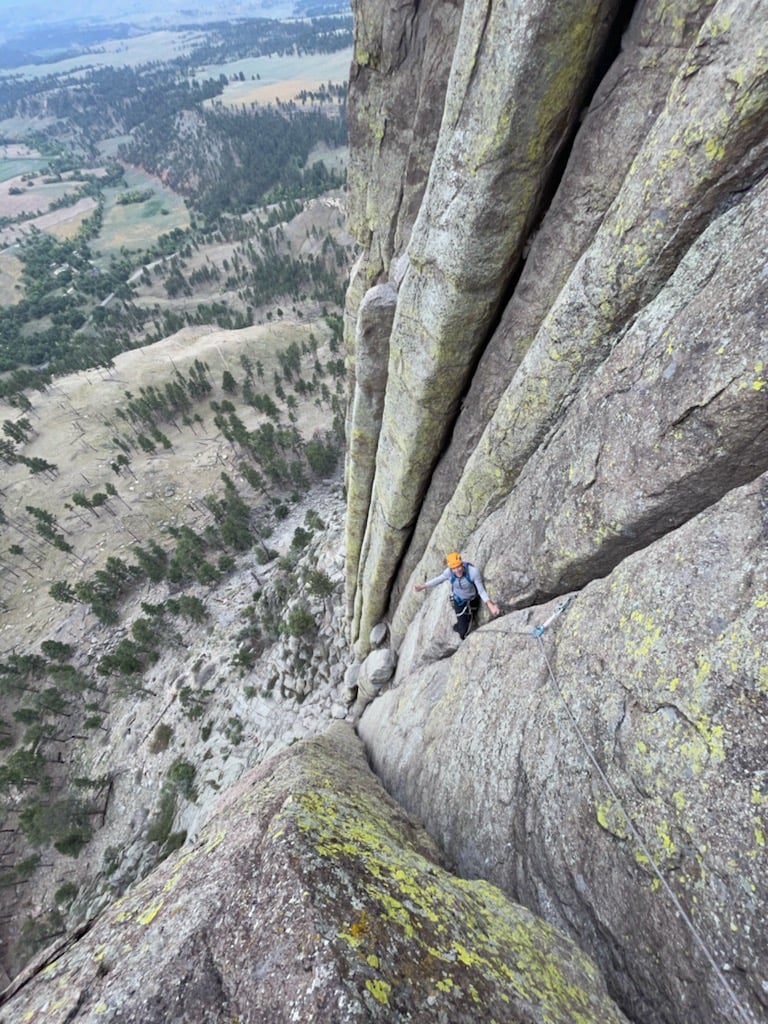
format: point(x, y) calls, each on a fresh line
point(372, 329)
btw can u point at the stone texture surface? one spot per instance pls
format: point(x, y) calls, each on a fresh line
point(251, 711)
point(518, 79)
point(660, 675)
point(676, 416)
point(373, 325)
point(707, 147)
point(584, 409)
point(397, 87)
point(311, 896)
point(626, 103)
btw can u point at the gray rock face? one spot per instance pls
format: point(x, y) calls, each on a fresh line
point(310, 896)
point(398, 78)
point(628, 786)
point(517, 80)
point(576, 398)
point(625, 106)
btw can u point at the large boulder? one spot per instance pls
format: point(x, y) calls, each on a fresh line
point(576, 398)
point(311, 896)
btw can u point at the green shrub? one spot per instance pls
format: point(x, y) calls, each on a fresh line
point(56, 651)
point(182, 775)
point(233, 730)
point(111, 860)
point(66, 893)
point(160, 827)
point(193, 704)
point(301, 538)
point(174, 841)
point(161, 738)
point(71, 844)
point(37, 933)
point(313, 520)
point(319, 583)
point(299, 622)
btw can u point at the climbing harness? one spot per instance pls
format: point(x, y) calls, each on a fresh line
point(463, 608)
point(744, 1014)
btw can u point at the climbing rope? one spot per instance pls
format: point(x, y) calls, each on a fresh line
point(743, 1012)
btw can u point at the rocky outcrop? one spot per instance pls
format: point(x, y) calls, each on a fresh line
point(311, 896)
point(217, 704)
point(576, 398)
point(624, 795)
point(517, 82)
point(626, 103)
point(398, 80)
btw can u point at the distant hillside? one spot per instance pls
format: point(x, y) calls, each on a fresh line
point(42, 29)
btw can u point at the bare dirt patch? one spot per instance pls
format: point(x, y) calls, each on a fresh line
point(250, 94)
point(17, 150)
point(18, 198)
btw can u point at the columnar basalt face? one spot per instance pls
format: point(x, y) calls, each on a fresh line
point(575, 384)
point(518, 79)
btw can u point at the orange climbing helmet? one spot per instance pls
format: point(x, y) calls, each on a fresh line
point(453, 560)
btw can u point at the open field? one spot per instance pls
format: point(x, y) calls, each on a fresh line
point(31, 196)
point(139, 225)
point(268, 79)
point(127, 51)
point(247, 94)
point(136, 225)
point(68, 227)
point(63, 223)
point(16, 150)
point(14, 167)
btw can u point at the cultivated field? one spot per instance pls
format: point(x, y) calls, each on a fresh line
point(135, 226)
point(12, 168)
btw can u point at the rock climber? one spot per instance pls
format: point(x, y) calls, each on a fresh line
point(467, 590)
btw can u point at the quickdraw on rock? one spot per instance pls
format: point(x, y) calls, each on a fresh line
point(538, 631)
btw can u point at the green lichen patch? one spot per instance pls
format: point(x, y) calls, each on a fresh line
point(407, 933)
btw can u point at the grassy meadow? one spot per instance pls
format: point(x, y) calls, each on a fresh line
point(268, 79)
point(16, 166)
point(139, 225)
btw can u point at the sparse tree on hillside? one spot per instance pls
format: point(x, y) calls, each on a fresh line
point(62, 591)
